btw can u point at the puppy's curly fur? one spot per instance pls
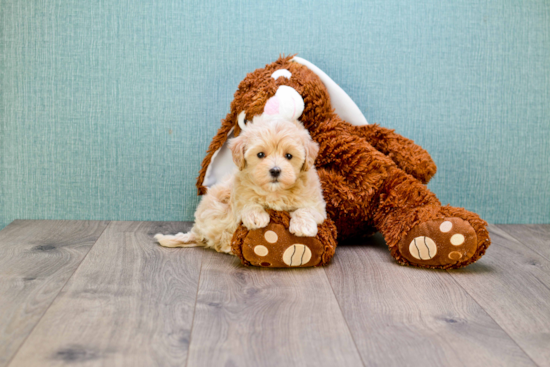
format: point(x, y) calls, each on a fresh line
point(276, 160)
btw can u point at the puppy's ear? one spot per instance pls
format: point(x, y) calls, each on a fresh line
point(237, 146)
point(312, 149)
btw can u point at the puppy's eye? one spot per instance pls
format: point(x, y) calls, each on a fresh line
point(261, 155)
point(288, 156)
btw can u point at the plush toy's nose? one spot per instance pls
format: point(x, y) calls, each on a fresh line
point(286, 103)
point(272, 106)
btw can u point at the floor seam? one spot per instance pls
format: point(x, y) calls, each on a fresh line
point(344, 317)
point(194, 311)
point(57, 295)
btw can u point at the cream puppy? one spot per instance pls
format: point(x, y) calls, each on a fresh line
point(275, 160)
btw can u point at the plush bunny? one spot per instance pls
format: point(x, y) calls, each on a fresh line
point(373, 179)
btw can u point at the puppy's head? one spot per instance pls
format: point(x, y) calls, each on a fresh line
point(274, 154)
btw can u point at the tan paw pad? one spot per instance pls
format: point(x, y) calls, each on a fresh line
point(457, 239)
point(271, 236)
point(297, 255)
point(446, 226)
point(261, 250)
point(455, 255)
point(423, 248)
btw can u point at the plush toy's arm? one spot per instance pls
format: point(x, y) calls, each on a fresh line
point(409, 156)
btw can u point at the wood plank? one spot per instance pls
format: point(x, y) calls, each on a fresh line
point(36, 260)
point(534, 236)
point(130, 303)
point(405, 316)
point(513, 285)
point(267, 317)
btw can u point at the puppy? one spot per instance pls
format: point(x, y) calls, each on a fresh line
point(275, 161)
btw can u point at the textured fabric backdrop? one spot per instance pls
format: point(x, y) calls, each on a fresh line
point(107, 107)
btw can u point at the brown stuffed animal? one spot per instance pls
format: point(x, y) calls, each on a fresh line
point(372, 178)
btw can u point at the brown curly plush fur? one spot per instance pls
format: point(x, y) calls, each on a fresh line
point(371, 176)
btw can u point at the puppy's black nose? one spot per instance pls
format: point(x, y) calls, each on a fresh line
point(275, 171)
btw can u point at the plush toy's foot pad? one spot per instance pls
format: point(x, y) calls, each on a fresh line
point(439, 242)
point(275, 247)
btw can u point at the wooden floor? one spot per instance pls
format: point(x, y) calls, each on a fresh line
point(89, 293)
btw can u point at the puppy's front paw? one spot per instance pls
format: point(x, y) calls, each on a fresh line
point(303, 226)
point(256, 218)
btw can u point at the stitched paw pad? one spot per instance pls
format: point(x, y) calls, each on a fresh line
point(439, 242)
point(275, 247)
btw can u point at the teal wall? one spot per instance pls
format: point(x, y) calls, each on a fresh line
point(107, 107)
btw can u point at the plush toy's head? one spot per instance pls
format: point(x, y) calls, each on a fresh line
point(283, 88)
point(289, 88)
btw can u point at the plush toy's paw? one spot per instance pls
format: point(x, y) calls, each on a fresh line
point(441, 242)
point(255, 218)
point(275, 247)
point(302, 224)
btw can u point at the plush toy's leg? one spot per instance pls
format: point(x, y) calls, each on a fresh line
point(363, 186)
point(420, 232)
point(408, 156)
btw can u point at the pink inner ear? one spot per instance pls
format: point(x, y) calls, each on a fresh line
point(272, 106)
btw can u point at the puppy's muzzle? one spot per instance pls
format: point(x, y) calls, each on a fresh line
point(275, 172)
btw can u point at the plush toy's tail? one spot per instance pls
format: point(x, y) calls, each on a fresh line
point(177, 240)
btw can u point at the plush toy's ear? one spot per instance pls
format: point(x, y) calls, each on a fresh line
point(342, 103)
point(312, 149)
point(237, 147)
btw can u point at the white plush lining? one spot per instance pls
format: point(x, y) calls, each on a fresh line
point(342, 103)
point(220, 165)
